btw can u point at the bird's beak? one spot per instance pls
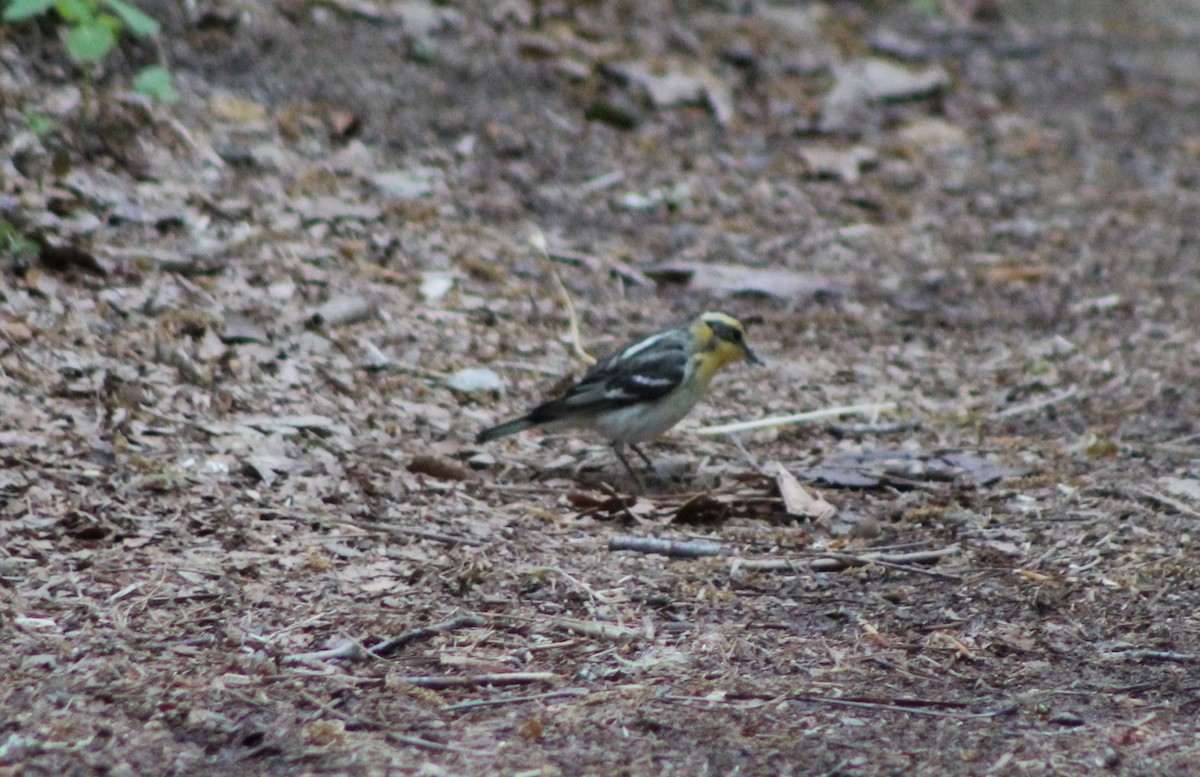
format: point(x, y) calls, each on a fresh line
point(751, 356)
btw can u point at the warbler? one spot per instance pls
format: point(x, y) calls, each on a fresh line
point(644, 389)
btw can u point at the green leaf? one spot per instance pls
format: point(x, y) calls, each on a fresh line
point(89, 43)
point(14, 243)
point(24, 9)
point(139, 22)
point(155, 82)
point(112, 23)
point(75, 11)
point(38, 124)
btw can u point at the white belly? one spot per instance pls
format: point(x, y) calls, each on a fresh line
point(641, 423)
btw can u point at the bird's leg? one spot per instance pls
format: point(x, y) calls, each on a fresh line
point(619, 449)
point(645, 458)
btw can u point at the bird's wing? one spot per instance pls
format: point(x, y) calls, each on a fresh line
point(635, 374)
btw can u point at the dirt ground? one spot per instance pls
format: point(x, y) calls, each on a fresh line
point(244, 526)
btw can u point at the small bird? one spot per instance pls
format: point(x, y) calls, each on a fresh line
point(644, 389)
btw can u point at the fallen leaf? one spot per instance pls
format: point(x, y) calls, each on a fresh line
point(238, 110)
point(437, 467)
point(843, 164)
point(702, 509)
point(796, 498)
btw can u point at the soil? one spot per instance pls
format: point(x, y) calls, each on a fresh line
point(238, 439)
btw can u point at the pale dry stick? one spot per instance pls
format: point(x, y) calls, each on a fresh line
point(526, 367)
point(354, 651)
point(595, 263)
point(913, 706)
point(349, 649)
point(741, 704)
point(594, 595)
point(1169, 501)
point(877, 430)
point(1041, 404)
point(608, 632)
point(737, 442)
point(573, 322)
point(538, 241)
point(206, 151)
point(796, 418)
point(467, 705)
point(611, 178)
point(1154, 655)
point(830, 561)
point(463, 681)
point(1003, 709)
point(849, 559)
point(672, 548)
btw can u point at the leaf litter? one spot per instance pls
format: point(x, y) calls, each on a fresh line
point(229, 439)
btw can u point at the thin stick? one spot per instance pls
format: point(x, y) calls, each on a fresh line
point(468, 705)
point(609, 632)
point(796, 418)
point(831, 561)
point(1154, 655)
point(672, 548)
point(1030, 407)
point(538, 241)
point(573, 321)
point(351, 650)
point(1169, 501)
point(406, 531)
point(393, 644)
point(596, 263)
point(500, 678)
point(910, 707)
point(879, 430)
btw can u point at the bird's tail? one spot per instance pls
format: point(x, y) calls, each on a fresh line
point(504, 430)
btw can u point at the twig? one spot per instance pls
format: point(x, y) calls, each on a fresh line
point(393, 644)
point(863, 430)
point(350, 649)
point(609, 632)
point(500, 678)
point(754, 465)
point(796, 418)
point(1155, 655)
point(1040, 404)
point(908, 706)
point(538, 241)
point(829, 561)
point(672, 548)
point(594, 263)
point(467, 705)
point(407, 531)
point(932, 707)
point(611, 178)
point(1155, 496)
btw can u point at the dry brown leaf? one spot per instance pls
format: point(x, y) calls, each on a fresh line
point(796, 498)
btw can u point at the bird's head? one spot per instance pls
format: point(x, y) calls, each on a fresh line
point(723, 339)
